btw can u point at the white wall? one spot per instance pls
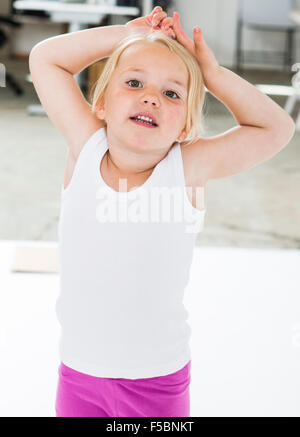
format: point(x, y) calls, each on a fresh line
point(218, 20)
point(31, 33)
point(215, 24)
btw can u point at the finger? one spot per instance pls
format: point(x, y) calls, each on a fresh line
point(171, 34)
point(149, 17)
point(198, 35)
point(158, 17)
point(181, 36)
point(200, 43)
point(167, 23)
point(167, 26)
point(177, 25)
point(155, 11)
point(159, 13)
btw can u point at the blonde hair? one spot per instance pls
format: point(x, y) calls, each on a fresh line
point(196, 89)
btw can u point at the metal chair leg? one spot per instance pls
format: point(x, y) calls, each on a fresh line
point(289, 49)
point(298, 122)
point(239, 45)
point(290, 103)
point(13, 84)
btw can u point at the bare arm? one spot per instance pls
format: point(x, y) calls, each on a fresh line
point(77, 50)
point(264, 129)
point(249, 106)
point(53, 63)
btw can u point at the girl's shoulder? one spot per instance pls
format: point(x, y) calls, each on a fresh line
point(83, 135)
point(193, 176)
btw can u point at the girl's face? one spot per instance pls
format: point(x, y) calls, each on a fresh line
point(153, 89)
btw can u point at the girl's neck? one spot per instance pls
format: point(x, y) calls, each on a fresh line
point(110, 164)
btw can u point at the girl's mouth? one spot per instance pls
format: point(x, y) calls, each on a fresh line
point(143, 122)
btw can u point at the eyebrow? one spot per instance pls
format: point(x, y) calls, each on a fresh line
point(143, 71)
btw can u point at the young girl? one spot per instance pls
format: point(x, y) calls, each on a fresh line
point(125, 257)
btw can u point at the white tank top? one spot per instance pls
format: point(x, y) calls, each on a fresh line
point(123, 274)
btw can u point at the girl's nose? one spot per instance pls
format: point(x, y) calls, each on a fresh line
point(151, 99)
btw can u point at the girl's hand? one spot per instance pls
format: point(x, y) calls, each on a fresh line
point(157, 20)
point(204, 55)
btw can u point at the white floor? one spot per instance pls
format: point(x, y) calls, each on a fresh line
point(244, 307)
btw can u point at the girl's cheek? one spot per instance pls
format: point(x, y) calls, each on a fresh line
point(175, 115)
point(124, 96)
point(120, 98)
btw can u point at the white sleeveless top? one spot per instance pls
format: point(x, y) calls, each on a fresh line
point(124, 261)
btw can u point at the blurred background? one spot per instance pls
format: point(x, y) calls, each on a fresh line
point(252, 221)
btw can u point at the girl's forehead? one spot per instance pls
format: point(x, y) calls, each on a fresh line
point(145, 56)
point(144, 50)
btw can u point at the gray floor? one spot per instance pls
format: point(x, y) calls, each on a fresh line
point(257, 208)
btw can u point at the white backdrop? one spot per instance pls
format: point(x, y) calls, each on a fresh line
point(244, 311)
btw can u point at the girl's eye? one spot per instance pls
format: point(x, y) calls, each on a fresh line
point(137, 81)
point(133, 80)
point(173, 93)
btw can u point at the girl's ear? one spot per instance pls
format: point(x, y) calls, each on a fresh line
point(100, 111)
point(182, 135)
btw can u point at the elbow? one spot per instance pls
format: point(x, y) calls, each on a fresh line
point(285, 132)
point(291, 123)
point(34, 52)
point(31, 60)
point(32, 55)
point(291, 128)
point(36, 55)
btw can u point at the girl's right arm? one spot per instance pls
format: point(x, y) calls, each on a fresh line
point(53, 64)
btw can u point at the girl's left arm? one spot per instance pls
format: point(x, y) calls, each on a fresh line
point(249, 106)
point(264, 127)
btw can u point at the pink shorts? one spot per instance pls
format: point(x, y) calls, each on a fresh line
point(82, 395)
